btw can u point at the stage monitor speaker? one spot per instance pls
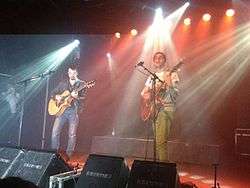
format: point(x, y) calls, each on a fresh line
point(8, 159)
point(147, 174)
point(37, 166)
point(104, 171)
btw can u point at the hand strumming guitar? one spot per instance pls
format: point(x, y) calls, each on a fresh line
point(74, 94)
point(60, 102)
point(58, 98)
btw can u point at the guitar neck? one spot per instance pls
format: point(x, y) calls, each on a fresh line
point(87, 85)
point(176, 67)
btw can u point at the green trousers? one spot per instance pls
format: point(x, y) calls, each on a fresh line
point(161, 130)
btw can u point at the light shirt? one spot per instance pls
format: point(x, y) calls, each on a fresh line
point(168, 96)
point(163, 75)
point(72, 82)
point(13, 100)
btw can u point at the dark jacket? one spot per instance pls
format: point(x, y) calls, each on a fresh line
point(65, 85)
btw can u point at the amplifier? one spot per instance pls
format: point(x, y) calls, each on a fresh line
point(242, 141)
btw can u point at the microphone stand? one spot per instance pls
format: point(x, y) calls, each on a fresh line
point(154, 78)
point(25, 83)
point(216, 184)
point(46, 107)
point(5, 75)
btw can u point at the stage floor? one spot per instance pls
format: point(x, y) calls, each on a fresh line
point(233, 173)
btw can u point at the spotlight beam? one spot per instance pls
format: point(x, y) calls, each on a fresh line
point(39, 66)
point(173, 19)
point(158, 36)
point(50, 61)
point(219, 78)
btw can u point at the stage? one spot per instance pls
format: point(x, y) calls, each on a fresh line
point(233, 173)
point(145, 80)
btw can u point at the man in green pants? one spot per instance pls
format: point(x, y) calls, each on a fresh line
point(166, 94)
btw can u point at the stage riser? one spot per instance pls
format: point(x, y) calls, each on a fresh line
point(194, 153)
point(122, 147)
point(139, 148)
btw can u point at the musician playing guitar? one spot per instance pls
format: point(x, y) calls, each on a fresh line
point(67, 98)
point(165, 100)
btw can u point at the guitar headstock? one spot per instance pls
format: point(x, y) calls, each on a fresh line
point(176, 67)
point(90, 84)
point(86, 85)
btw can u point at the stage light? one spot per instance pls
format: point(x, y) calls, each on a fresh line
point(118, 35)
point(133, 32)
point(206, 17)
point(158, 35)
point(113, 132)
point(108, 55)
point(230, 12)
point(187, 21)
point(187, 4)
point(109, 61)
point(158, 24)
point(76, 42)
point(158, 11)
point(158, 15)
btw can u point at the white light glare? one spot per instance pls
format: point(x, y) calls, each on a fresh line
point(76, 42)
point(158, 15)
point(158, 11)
point(108, 55)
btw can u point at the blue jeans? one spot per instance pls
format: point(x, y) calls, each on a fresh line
point(70, 115)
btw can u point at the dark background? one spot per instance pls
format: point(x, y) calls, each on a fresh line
point(89, 16)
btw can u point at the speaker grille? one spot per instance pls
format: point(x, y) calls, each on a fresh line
point(34, 166)
point(8, 159)
point(152, 174)
point(104, 171)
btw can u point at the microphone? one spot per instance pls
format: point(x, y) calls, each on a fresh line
point(139, 64)
point(47, 73)
point(5, 75)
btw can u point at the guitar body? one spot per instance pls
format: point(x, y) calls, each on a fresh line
point(146, 109)
point(55, 108)
point(147, 105)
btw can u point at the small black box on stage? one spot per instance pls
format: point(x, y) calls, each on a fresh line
point(242, 142)
point(150, 174)
point(104, 171)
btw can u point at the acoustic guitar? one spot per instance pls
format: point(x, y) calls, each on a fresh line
point(147, 105)
point(58, 107)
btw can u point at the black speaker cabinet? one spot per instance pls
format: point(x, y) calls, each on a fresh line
point(149, 174)
point(35, 166)
point(242, 142)
point(104, 172)
point(8, 160)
